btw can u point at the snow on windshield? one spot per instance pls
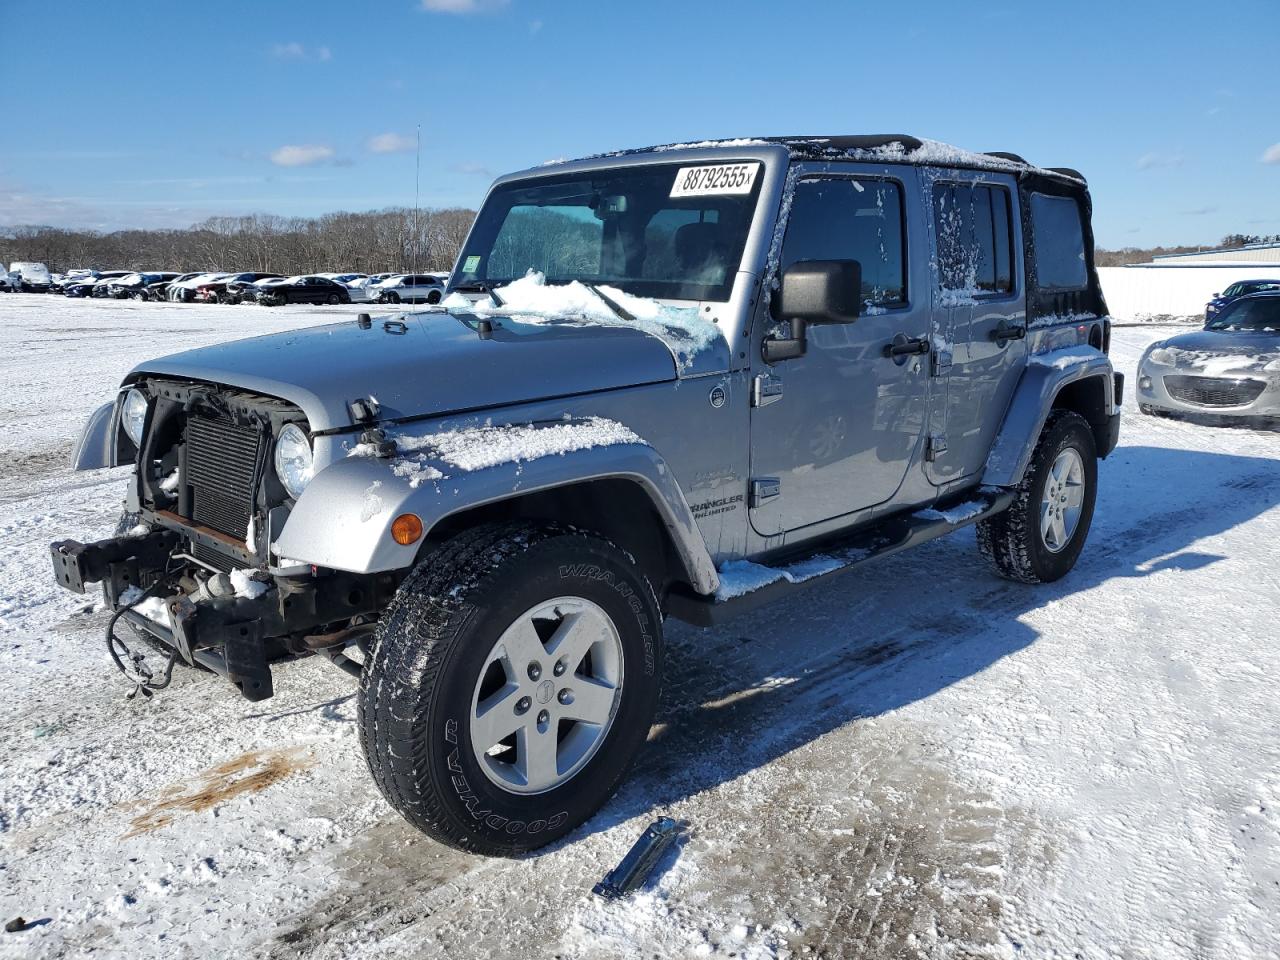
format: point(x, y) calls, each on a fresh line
point(532, 300)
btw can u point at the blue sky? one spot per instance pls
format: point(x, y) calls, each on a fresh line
point(159, 114)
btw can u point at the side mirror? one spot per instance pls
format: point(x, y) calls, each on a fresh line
point(1214, 296)
point(814, 291)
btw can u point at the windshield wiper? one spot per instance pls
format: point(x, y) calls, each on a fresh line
point(609, 302)
point(480, 286)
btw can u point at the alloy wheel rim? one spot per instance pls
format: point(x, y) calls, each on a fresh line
point(547, 695)
point(1062, 501)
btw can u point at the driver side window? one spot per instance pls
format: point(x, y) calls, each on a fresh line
point(851, 219)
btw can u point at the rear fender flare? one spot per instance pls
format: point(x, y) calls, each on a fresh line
point(343, 519)
point(1043, 379)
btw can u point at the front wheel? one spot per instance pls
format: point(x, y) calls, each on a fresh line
point(393, 298)
point(510, 684)
point(1039, 538)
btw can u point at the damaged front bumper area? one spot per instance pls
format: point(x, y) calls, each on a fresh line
point(199, 614)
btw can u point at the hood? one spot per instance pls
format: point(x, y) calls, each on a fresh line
point(1220, 352)
point(425, 364)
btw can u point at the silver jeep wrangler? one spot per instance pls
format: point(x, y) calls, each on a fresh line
point(678, 381)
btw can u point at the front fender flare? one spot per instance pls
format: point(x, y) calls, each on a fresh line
point(343, 519)
point(96, 446)
point(1042, 380)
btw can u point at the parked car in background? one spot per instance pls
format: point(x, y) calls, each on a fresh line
point(71, 276)
point(29, 277)
point(134, 285)
point(304, 289)
point(357, 284)
point(1228, 370)
point(410, 288)
point(1241, 288)
point(160, 288)
point(241, 290)
point(84, 286)
point(185, 291)
point(215, 291)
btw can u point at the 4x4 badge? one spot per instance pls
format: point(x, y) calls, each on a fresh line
point(717, 397)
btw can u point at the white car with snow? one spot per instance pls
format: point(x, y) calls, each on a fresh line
point(664, 383)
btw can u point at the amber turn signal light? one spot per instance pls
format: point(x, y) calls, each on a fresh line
point(406, 529)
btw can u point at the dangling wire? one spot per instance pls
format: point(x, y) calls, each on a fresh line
point(135, 669)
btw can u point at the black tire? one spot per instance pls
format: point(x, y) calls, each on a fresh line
point(393, 298)
point(418, 682)
point(1012, 541)
point(333, 299)
point(433, 297)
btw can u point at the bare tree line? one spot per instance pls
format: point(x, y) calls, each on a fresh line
point(395, 239)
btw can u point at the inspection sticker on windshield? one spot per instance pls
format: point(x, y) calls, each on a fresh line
point(720, 178)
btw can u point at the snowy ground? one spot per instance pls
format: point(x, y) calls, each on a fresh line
point(919, 761)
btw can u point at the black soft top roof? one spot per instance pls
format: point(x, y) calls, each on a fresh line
point(891, 147)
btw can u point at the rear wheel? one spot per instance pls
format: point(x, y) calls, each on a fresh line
point(333, 299)
point(433, 296)
point(510, 684)
point(1039, 538)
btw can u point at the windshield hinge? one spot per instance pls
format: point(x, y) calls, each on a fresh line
point(940, 361)
point(765, 389)
point(763, 489)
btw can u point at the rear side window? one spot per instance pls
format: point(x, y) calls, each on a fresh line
point(974, 231)
point(1059, 243)
point(847, 219)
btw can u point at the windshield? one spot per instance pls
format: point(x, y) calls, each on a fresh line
point(1244, 287)
point(666, 231)
point(1260, 314)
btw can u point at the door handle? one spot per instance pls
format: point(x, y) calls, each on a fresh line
point(903, 346)
point(1007, 331)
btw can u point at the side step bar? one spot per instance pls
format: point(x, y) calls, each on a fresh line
point(890, 536)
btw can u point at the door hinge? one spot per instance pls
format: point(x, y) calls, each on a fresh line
point(940, 361)
point(764, 488)
point(765, 389)
point(937, 446)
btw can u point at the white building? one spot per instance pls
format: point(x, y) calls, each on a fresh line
point(1177, 286)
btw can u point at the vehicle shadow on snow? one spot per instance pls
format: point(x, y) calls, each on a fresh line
point(739, 696)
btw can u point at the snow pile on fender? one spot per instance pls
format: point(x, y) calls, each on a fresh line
point(476, 448)
point(532, 300)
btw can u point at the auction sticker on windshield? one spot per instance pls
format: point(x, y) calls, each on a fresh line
point(719, 178)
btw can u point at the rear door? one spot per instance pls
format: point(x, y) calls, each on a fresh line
point(978, 295)
point(837, 428)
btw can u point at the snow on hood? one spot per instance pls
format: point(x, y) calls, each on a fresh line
point(1219, 352)
point(428, 456)
point(532, 300)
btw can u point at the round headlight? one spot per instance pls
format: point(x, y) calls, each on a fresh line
point(133, 415)
point(294, 464)
point(1162, 356)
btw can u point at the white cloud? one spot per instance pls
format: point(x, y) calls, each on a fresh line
point(462, 6)
point(301, 155)
point(391, 143)
point(1152, 161)
point(1271, 154)
point(293, 50)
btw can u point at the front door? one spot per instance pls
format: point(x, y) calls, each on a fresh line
point(838, 427)
point(978, 294)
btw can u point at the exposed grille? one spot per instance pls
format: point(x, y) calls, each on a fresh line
point(222, 464)
point(1213, 391)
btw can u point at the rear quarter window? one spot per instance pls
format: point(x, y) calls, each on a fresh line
point(1058, 238)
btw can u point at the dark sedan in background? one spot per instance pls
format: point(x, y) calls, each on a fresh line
point(1241, 288)
point(83, 286)
point(304, 290)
